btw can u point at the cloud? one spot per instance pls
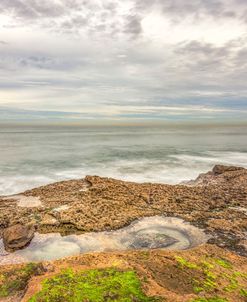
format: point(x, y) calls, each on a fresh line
point(8, 114)
point(32, 9)
point(74, 16)
point(177, 10)
point(133, 25)
point(124, 58)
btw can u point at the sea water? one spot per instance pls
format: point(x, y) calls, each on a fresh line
point(31, 156)
point(146, 233)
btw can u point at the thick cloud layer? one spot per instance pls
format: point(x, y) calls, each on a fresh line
point(164, 59)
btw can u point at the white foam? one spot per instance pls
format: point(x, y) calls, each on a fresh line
point(10, 185)
point(173, 169)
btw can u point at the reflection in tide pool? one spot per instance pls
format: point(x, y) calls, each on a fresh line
point(146, 233)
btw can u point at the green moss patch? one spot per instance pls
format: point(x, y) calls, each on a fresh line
point(185, 263)
point(15, 280)
point(214, 275)
point(223, 263)
point(213, 299)
point(92, 286)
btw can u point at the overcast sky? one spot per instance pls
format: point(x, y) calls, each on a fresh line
point(103, 59)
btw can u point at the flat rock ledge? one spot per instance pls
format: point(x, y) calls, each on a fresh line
point(216, 202)
point(205, 273)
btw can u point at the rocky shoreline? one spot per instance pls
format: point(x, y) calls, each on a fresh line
point(202, 274)
point(215, 201)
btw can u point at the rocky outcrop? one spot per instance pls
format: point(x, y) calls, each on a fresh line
point(220, 175)
point(216, 201)
point(220, 169)
point(17, 237)
point(205, 273)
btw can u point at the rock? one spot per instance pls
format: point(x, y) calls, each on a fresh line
point(220, 169)
point(49, 219)
point(152, 241)
point(217, 176)
point(110, 204)
point(17, 237)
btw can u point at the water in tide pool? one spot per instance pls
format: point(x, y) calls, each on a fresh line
point(36, 155)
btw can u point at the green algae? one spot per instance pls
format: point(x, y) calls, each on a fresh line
point(16, 280)
point(243, 292)
point(223, 263)
point(212, 275)
point(185, 263)
point(212, 299)
point(92, 286)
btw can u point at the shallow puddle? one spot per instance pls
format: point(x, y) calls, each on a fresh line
point(146, 233)
point(25, 201)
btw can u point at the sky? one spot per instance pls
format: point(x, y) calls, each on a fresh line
point(123, 60)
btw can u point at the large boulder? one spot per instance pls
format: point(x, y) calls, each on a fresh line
point(17, 237)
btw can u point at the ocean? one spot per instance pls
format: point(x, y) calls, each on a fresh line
point(31, 156)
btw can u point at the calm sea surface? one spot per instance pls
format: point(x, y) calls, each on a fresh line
point(35, 155)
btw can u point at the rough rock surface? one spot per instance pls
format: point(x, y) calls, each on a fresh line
point(17, 237)
point(218, 175)
point(199, 274)
point(220, 169)
point(216, 201)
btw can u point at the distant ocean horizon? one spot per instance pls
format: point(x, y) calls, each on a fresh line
point(34, 155)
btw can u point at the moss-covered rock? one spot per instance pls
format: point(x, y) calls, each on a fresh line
point(92, 286)
point(16, 280)
point(214, 275)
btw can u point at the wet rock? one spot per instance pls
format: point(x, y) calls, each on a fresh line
point(17, 237)
point(152, 241)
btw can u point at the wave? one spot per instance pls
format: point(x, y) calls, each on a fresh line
point(171, 169)
point(16, 184)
